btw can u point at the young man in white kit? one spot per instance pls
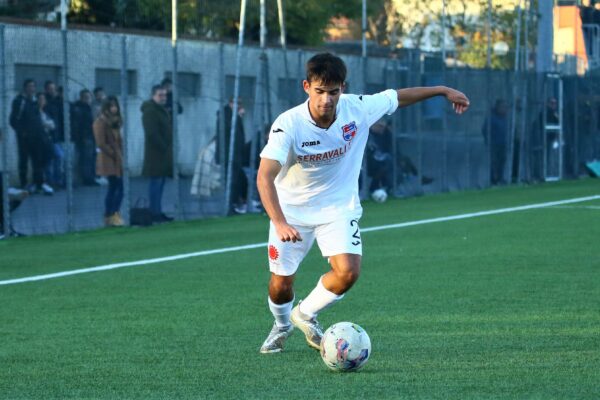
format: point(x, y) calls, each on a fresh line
point(308, 184)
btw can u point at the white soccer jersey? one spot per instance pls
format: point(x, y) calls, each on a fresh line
point(318, 182)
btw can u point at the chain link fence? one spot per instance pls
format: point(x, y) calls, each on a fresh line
point(521, 127)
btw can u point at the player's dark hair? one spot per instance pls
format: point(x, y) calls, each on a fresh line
point(326, 69)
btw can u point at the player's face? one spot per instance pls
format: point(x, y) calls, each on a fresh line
point(323, 98)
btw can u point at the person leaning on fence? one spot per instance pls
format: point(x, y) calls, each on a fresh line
point(109, 161)
point(22, 114)
point(82, 121)
point(158, 149)
point(54, 108)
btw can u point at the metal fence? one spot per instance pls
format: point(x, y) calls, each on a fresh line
point(513, 133)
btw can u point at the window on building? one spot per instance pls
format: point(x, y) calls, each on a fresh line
point(110, 80)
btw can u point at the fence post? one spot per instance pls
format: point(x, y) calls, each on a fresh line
point(125, 131)
point(4, 138)
point(220, 145)
point(262, 96)
point(175, 113)
point(234, 110)
point(576, 171)
point(419, 122)
point(508, 170)
point(463, 124)
point(363, 72)
point(67, 127)
point(395, 127)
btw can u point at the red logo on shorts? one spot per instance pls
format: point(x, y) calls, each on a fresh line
point(273, 253)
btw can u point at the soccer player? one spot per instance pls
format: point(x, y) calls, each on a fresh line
point(308, 184)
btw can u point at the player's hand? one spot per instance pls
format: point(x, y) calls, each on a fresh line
point(459, 101)
point(287, 233)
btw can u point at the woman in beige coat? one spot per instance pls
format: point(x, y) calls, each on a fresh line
point(109, 161)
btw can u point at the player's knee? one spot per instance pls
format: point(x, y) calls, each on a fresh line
point(281, 286)
point(348, 276)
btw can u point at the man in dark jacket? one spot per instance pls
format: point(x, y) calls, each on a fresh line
point(158, 149)
point(22, 115)
point(82, 121)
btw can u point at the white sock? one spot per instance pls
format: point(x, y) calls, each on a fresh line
point(281, 312)
point(318, 300)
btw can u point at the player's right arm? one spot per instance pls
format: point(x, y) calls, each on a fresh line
point(265, 181)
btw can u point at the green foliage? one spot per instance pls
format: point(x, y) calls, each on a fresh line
point(305, 19)
point(26, 9)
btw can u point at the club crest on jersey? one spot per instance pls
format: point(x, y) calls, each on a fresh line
point(349, 131)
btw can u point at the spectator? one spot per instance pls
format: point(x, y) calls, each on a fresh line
point(22, 115)
point(82, 121)
point(239, 181)
point(99, 97)
point(42, 147)
point(167, 84)
point(109, 163)
point(158, 149)
point(54, 109)
point(498, 141)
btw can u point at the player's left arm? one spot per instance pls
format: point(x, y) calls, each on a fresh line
point(409, 96)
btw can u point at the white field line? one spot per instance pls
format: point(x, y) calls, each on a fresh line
point(577, 207)
point(258, 245)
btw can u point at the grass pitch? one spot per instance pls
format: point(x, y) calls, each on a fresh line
point(501, 306)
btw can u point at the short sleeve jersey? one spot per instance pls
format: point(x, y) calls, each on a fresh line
point(318, 182)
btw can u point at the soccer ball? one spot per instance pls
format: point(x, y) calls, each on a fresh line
point(345, 347)
point(379, 195)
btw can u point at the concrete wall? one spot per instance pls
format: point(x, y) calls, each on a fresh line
point(150, 57)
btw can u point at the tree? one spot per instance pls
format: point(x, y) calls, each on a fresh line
point(217, 19)
point(26, 9)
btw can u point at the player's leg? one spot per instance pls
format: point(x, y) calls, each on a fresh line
point(345, 270)
point(341, 242)
point(281, 298)
point(284, 259)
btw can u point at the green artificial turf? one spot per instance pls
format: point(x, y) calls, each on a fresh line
point(500, 306)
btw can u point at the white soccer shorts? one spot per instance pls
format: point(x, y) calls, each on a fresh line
point(338, 237)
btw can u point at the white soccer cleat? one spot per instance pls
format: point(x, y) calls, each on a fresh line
point(276, 339)
point(309, 326)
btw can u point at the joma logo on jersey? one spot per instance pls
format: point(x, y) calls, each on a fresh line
point(349, 131)
point(313, 143)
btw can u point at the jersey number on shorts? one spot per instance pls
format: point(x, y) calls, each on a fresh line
point(356, 234)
